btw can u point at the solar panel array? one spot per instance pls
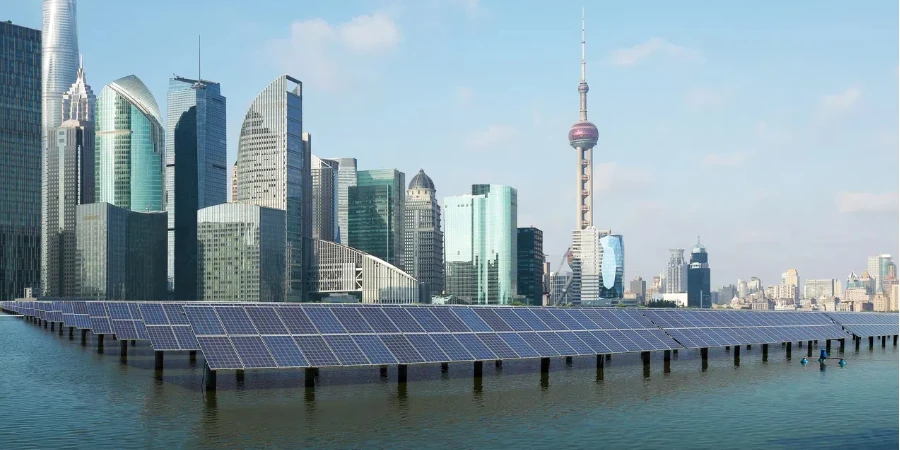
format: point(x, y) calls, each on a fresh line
point(167, 328)
point(698, 329)
point(287, 336)
point(867, 324)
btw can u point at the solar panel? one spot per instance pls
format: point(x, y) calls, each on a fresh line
point(219, 352)
point(118, 310)
point(374, 349)
point(296, 320)
point(82, 322)
point(400, 347)
point(285, 351)
point(79, 307)
point(347, 352)
point(378, 320)
point(235, 321)
point(252, 352)
point(450, 320)
point(203, 320)
point(352, 321)
point(185, 337)
point(471, 320)
point(549, 319)
point(475, 347)
point(538, 344)
point(531, 320)
point(324, 320)
point(403, 320)
point(266, 320)
point(611, 342)
point(124, 329)
point(595, 344)
point(497, 346)
point(162, 338)
point(428, 348)
point(582, 319)
point(575, 343)
point(316, 351)
point(566, 320)
point(452, 347)
point(175, 314)
point(142, 330)
point(153, 314)
point(492, 319)
point(509, 316)
point(101, 325)
point(518, 345)
point(427, 320)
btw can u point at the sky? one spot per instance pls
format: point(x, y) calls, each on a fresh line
point(769, 129)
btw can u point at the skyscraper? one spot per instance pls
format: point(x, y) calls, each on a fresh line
point(530, 265)
point(20, 151)
point(879, 267)
point(130, 146)
point(346, 179)
point(676, 272)
point(480, 245)
point(376, 214)
point(791, 282)
point(424, 240)
point(271, 161)
point(324, 173)
point(639, 288)
point(59, 66)
point(68, 181)
point(196, 173)
point(698, 285)
point(583, 137)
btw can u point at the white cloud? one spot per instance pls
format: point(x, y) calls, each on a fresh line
point(464, 96)
point(493, 136)
point(704, 97)
point(835, 103)
point(610, 177)
point(633, 55)
point(867, 202)
point(731, 159)
point(772, 135)
point(327, 55)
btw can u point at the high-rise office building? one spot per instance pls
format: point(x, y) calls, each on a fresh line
point(754, 285)
point(241, 252)
point(271, 161)
point(726, 294)
point(530, 265)
point(480, 245)
point(68, 181)
point(346, 179)
point(324, 173)
point(879, 267)
point(196, 173)
point(638, 287)
point(698, 285)
point(20, 151)
point(598, 267)
point(676, 272)
point(121, 254)
point(60, 61)
point(424, 240)
point(558, 282)
point(233, 183)
point(814, 289)
point(791, 282)
point(130, 147)
point(376, 214)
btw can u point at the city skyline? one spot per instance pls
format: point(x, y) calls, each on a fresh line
point(742, 115)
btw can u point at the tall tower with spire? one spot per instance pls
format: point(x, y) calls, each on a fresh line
point(583, 137)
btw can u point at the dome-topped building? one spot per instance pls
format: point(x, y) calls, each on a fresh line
point(421, 181)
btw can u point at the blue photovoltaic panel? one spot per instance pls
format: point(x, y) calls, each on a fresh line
point(316, 351)
point(539, 345)
point(549, 319)
point(582, 319)
point(175, 314)
point(80, 307)
point(253, 352)
point(519, 345)
point(101, 325)
point(376, 319)
point(82, 322)
point(449, 345)
point(266, 320)
point(497, 346)
point(403, 320)
point(492, 319)
point(427, 320)
point(219, 353)
point(285, 351)
point(124, 329)
point(621, 338)
point(426, 347)
point(235, 321)
point(67, 308)
point(611, 343)
point(614, 319)
point(347, 352)
point(512, 319)
point(97, 309)
point(568, 321)
point(638, 339)
point(532, 320)
point(401, 349)
point(135, 310)
point(374, 349)
point(162, 338)
point(118, 311)
point(450, 320)
point(475, 347)
point(472, 320)
point(575, 343)
point(203, 320)
point(142, 330)
point(351, 320)
point(185, 337)
point(324, 320)
point(296, 320)
point(69, 319)
point(153, 314)
point(596, 346)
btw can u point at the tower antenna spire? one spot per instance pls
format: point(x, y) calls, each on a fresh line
point(198, 58)
point(582, 45)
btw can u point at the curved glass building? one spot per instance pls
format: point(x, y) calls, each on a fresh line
point(612, 267)
point(59, 59)
point(130, 146)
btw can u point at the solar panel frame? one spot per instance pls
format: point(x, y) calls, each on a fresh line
point(374, 349)
point(266, 320)
point(403, 320)
point(428, 348)
point(219, 353)
point(296, 320)
point(402, 349)
point(285, 352)
point(473, 321)
point(519, 345)
point(450, 320)
point(352, 320)
point(476, 347)
point(316, 351)
point(346, 350)
point(452, 347)
point(428, 321)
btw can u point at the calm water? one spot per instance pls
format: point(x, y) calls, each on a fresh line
point(56, 393)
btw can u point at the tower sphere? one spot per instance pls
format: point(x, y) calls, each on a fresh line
point(583, 135)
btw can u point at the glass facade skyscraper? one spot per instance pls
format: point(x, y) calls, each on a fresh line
point(530, 265)
point(120, 253)
point(273, 168)
point(424, 240)
point(241, 253)
point(60, 61)
point(20, 153)
point(612, 268)
point(480, 245)
point(698, 282)
point(196, 173)
point(346, 179)
point(130, 146)
point(324, 173)
point(375, 214)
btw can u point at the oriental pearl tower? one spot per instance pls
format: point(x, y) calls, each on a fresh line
point(583, 137)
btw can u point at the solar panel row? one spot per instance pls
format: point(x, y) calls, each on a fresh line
point(866, 324)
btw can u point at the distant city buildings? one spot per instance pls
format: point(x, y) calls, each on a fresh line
point(324, 173)
point(530, 265)
point(346, 179)
point(424, 240)
point(121, 254)
point(698, 283)
point(59, 61)
point(480, 245)
point(375, 217)
point(878, 268)
point(638, 287)
point(338, 270)
point(196, 173)
point(676, 272)
point(813, 289)
point(726, 294)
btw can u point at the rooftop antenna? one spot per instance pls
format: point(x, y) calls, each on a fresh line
point(198, 58)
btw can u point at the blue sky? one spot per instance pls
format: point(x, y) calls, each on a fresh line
point(768, 128)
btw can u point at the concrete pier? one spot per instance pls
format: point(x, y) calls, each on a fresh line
point(883, 341)
point(239, 377)
point(828, 345)
point(545, 365)
point(310, 376)
point(158, 360)
point(498, 363)
point(871, 342)
point(209, 378)
point(856, 340)
point(737, 355)
point(71, 333)
point(704, 354)
point(748, 347)
point(765, 350)
point(123, 349)
point(645, 357)
point(478, 368)
point(568, 360)
point(809, 349)
point(192, 355)
point(401, 373)
point(100, 343)
point(895, 340)
point(667, 355)
point(787, 350)
point(841, 348)
point(84, 337)
point(382, 371)
point(445, 367)
point(600, 361)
